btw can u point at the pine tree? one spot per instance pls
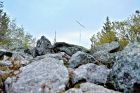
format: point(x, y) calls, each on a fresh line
point(106, 35)
point(4, 21)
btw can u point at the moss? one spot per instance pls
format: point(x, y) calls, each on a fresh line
point(62, 92)
point(77, 85)
point(4, 77)
point(3, 68)
point(123, 43)
point(66, 63)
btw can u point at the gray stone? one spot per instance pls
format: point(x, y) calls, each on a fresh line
point(107, 47)
point(90, 88)
point(8, 83)
point(6, 63)
point(59, 56)
point(105, 58)
point(5, 52)
point(93, 88)
point(2, 73)
point(80, 58)
point(105, 54)
point(91, 73)
point(74, 90)
point(24, 58)
point(126, 69)
point(1, 53)
point(69, 49)
point(33, 52)
point(43, 47)
point(47, 74)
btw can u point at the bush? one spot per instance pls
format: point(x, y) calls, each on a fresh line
point(122, 31)
point(107, 34)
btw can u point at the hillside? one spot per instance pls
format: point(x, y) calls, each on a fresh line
point(68, 68)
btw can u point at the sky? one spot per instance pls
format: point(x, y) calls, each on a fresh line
point(44, 17)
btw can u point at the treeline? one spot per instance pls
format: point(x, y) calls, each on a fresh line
point(124, 31)
point(11, 35)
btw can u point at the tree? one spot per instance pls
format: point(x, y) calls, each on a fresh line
point(4, 21)
point(129, 28)
point(11, 35)
point(28, 41)
point(18, 37)
point(106, 35)
point(123, 31)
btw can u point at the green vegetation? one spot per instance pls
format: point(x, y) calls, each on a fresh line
point(4, 21)
point(106, 35)
point(11, 34)
point(18, 37)
point(122, 31)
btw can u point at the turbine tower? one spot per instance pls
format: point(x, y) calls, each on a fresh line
point(81, 25)
point(54, 37)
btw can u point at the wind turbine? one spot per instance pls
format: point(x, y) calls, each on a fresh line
point(55, 37)
point(81, 25)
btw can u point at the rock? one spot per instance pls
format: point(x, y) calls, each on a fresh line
point(104, 58)
point(9, 54)
point(105, 54)
point(67, 48)
point(2, 73)
point(22, 57)
point(8, 83)
point(28, 51)
point(33, 52)
point(125, 74)
point(43, 46)
point(9, 57)
point(5, 52)
point(93, 88)
point(5, 58)
point(74, 90)
point(109, 47)
point(80, 58)
point(6, 63)
point(91, 73)
point(47, 74)
point(90, 88)
point(2, 54)
point(59, 56)
point(16, 55)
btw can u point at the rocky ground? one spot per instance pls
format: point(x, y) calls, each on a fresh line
point(67, 68)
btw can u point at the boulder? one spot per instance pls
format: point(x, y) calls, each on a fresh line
point(5, 52)
point(22, 57)
point(109, 47)
point(90, 88)
point(80, 58)
point(105, 53)
point(46, 75)
point(10, 63)
point(74, 90)
point(125, 75)
point(43, 47)
point(1, 53)
point(91, 73)
point(62, 56)
point(105, 58)
point(6, 63)
point(69, 49)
